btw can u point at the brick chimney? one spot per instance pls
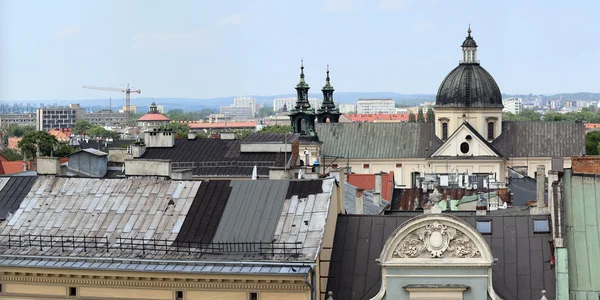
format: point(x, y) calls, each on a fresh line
point(378, 189)
point(359, 201)
point(540, 180)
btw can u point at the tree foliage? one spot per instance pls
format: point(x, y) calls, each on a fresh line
point(12, 154)
point(277, 129)
point(19, 130)
point(41, 140)
point(265, 111)
point(81, 127)
point(180, 115)
point(180, 129)
point(420, 116)
point(411, 117)
point(592, 142)
point(430, 115)
point(97, 131)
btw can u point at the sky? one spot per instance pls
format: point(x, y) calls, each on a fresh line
point(208, 49)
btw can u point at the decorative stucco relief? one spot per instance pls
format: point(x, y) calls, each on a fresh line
point(436, 240)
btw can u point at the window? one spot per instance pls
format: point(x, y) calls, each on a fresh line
point(253, 296)
point(366, 166)
point(541, 226)
point(72, 292)
point(490, 134)
point(334, 166)
point(179, 295)
point(398, 165)
point(464, 147)
point(484, 226)
point(444, 131)
point(1, 289)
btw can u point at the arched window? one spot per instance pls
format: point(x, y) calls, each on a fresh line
point(490, 133)
point(444, 131)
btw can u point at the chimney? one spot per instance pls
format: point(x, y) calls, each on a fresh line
point(227, 135)
point(138, 149)
point(540, 180)
point(48, 165)
point(359, 201)
point(191, 135)
point(481, 208)
point(378, 189)
point(159, 138)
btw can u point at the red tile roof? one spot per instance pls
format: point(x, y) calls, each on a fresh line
point(153, 117)
point(367, 182)
point(13, 142)
point(222, 125)
point(61, 135)
point(10, 167)
point(377, 117)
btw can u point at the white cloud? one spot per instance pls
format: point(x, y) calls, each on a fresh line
point(391, 5)
point(424, 26)
point(233, 19)
point(68, 30)
point(338, 6)
point(172, 40)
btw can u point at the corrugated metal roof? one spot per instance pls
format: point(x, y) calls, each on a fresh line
point(259, 137)
point(378, 140)
point(91, 151)
point(521, 271)
point(12, 192)
point(252, 211)
point(541, 139)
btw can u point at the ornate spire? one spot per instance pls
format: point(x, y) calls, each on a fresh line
point(328, 110)
point(302, 90)
point(469, 30)
point(327, 78)
point(469, 49)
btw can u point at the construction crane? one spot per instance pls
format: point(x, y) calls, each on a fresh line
point(127, 92)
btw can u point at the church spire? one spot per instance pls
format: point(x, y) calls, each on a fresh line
point(469, 49)
point(302, 116)
point(302, 88)
point(328, 112)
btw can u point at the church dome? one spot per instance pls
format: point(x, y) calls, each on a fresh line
point(469, 85)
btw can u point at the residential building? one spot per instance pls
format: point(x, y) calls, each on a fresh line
point(246, 102)
point(359, 118)
point(21, 119)
point(513, 105)
point(106, 118)
point(58, 117)
point(468, 134)
point(225, 126)
point(154, 238)
point(153, 119)
point(237, 112)
point(132, 109)
point(375, 106)
point(290, 103)
point(347, 108)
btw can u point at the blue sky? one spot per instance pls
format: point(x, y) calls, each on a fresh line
point(205, 49)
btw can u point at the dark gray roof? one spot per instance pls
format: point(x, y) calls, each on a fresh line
point(90, 151)
point(369, 208)
point(523, 188)
point(521, 272)
point(12, 192)
point(252, 211)
point(378, 140)
point(468, 85)
point(545, 139)
point(259, 137)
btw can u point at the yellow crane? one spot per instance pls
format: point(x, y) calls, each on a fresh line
point(127, 92)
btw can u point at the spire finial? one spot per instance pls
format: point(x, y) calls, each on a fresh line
point(301, 68)
point(327, 79)
point(469, 30)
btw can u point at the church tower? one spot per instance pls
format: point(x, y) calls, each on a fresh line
point(469, 94)
point(303, 115)
point(328, 109)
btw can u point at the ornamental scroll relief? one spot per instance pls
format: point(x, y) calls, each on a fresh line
point(436, 240)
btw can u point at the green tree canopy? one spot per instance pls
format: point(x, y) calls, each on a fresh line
point(277, 129)
point(430, 115)
point(17, 130)
point(97, 131)
point(265, 111)
point(81, 127)
point(592, 142)
point(420, 116)
point(41, 140)
point(12, 154)
point(180, 129)
point(411, 117)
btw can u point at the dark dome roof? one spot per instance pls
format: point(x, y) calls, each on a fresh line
point(469, 85)
point(469, 42)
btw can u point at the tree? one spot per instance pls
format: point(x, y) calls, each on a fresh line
point(592, 143)
point(411, 117)
point(430, 115)
point(420, 116)
point(265, 112)
point(19, 130)
point(12, 154)
point(277, 129)
point(180, 129)
point(62, 150)
point(81, 127)
point(41, 140)
point(97, 131)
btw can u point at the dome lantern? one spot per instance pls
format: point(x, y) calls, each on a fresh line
point(469, 49)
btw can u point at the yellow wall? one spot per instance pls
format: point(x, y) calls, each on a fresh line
point(475, 117)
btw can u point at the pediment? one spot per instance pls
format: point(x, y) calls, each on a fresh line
point(476, 145)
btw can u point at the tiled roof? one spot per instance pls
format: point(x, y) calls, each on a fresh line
point(377, 117)
point(532, 139)
point(521, 271)
point(12, 191)
point(153, 117)
point(13, 142)
point(378, 140)
point(61, 135)
point(11, 167)
point(367, 182)
point(223, 125)
point(216, 150)
point(118, 212)
point(369, 208)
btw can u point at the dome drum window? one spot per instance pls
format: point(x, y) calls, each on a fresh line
point(464, 148)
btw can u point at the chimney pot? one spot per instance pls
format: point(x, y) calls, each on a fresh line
point(359, 201)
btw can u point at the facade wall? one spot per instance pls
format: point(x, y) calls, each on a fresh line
point(586, 164)
point(148, 167)
point(375, 106)
point(532, 162)
point(478, 118)
point(21, 119)
point(112, 119)
point(58, 117)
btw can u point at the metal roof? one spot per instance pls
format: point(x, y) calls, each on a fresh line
point(521, 272)
point(12, 191)
point(259, 137)
point(369, 208)
point(469, 85)
point(541, 139)
point(378, 140)
point(90, 151)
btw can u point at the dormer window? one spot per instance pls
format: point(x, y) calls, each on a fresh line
point(444, 131)
point(490, 130)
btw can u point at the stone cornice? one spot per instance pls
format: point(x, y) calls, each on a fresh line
point(155, 281)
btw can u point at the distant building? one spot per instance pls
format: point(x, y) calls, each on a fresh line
point(348, 108)
point(21, 119)
point(153, 118)
point(513, 105)
point(375, 106)
point(290, 103)
point(132, 109)
point(246, 102)
point(237, 112)
point(58, 117)
point(88, 163)
point(106, 118)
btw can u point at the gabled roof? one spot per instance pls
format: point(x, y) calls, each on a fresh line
point(90, 151)
point(369, 208)
point(473, 131)
point(367, 182)
point(12, 191)
point(541, 139)
point(521, 271)
point(378, 140)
